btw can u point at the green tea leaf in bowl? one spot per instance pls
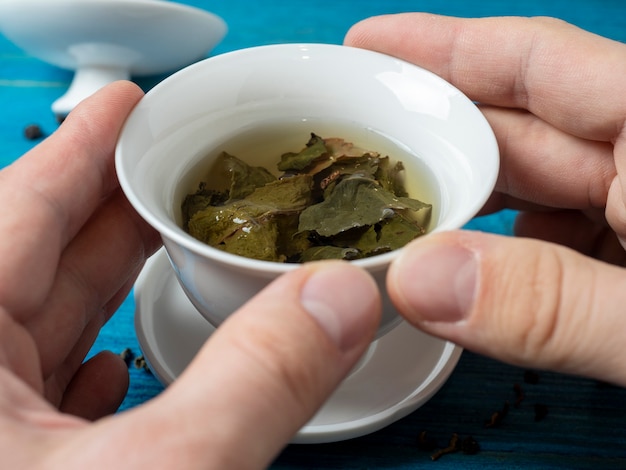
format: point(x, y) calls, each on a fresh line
point(332, 201)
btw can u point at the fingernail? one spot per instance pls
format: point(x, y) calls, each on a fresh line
point(344, 301)
point(437, 282)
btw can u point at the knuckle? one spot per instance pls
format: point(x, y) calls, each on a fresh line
point(530, 306)
point(539, 324)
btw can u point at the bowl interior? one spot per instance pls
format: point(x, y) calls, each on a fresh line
point(289, 91)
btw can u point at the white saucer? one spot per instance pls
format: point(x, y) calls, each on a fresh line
point(107, 40)
point(398, 374)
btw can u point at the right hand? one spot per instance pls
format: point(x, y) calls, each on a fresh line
point(555, 97)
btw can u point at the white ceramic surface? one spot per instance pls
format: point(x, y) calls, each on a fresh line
point(107, 40)
point(198, 109)
point(398, 374)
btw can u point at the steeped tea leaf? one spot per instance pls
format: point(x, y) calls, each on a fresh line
point(255, 240)
point(339, 148)
point(244, 178)
point(292, 244)
point(342, 153)
point(334, 201)
point(315, 148)
point(396, 232)
point(214, 224)
point(200, 200)
point(362, 238)
point(354, 202)
point(388, 175)
point(318, 253)
point(366, 166)
point(288, 194)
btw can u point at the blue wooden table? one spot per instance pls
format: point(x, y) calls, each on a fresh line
point(585, 425)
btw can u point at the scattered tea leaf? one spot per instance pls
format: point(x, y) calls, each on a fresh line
point(498, 416)
point(127, 356)
point(425, 442)
point(33, 132)
point(141, 363)
point(453, 446)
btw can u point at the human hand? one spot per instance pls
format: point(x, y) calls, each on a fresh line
point(71, 247)
point(553, 95)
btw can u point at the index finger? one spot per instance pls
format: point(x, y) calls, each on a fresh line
point(72, 170)
point(49, 193)
point(566, 76)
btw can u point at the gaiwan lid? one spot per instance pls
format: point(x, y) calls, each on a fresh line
point(108, 40)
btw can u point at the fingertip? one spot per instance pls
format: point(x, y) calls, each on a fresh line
point(374, 32)
point(344, 301)
point(434, 280)
point(359, 32)
point(98, 388)
point(88, 135)
point(107, 107)
point(534, 304)
point(391, 33)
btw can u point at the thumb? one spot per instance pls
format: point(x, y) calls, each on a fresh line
point(523, 301)
point(269, 368)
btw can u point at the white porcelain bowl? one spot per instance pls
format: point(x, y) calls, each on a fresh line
point(306, 87)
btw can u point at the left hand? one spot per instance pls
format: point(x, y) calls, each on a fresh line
point(71, 247)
